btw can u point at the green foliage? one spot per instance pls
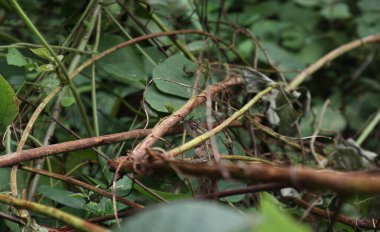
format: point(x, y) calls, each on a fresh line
point(8, 103)
point(274, 219)
point(154, 78)
point(189, 216)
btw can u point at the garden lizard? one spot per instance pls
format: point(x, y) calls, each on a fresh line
point(203, 153)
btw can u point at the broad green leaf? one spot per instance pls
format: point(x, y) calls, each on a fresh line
point(336, 11)
point(369, 5)
point(125, 64)
point(188, 216)
point(333, 122)
point(166, 103)
point(62, 196)
point(282, 58)
point(41, 52)
point(8, 104)
point(14, 57)
point(161, 101)
point(176, 76)
point(274, 219)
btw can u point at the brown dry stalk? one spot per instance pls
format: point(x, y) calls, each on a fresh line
point(161, 128)
point(39, 152)
point(36, 153)
point(367, 182)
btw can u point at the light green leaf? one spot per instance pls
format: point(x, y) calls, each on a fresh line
point(47, 67)
point(62, 196)
point(369, 5)
point(41, 52)
point(8, 104)
point(14, 57)
point(336, 11)
point(67, 101)
point(276, 220)
point(188, 216)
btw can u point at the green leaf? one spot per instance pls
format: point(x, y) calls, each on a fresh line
point(67, 101)
point(41, 52)
point(274, 219)
point(161, 101)
point(176, 76)
point(282, 58)
point(8, 103)
point(333, 122)
point(14, 57)
point(47, 67)
point(62, 196)
point(125, 64)
point(369, 5)
point(336, 11)
point(188, 216)
point(307, 3)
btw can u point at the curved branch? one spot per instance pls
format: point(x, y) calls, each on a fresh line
point(52, 212)
point(329, 57)
point(366, 182)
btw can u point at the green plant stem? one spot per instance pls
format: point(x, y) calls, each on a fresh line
point(60, 64)
point(369, 128)
point(52, 212)
point(30, 45)
point(93, 77)
point(202, 138)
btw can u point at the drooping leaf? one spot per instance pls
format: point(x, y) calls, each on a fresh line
point(255, 81)
point(8, 104)
point(188, 216)
point(350, 156)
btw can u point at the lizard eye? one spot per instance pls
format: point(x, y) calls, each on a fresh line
point(193, 125)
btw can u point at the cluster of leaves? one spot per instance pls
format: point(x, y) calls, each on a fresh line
point(157, 77)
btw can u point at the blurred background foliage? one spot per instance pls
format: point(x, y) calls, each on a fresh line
point(294, 34)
